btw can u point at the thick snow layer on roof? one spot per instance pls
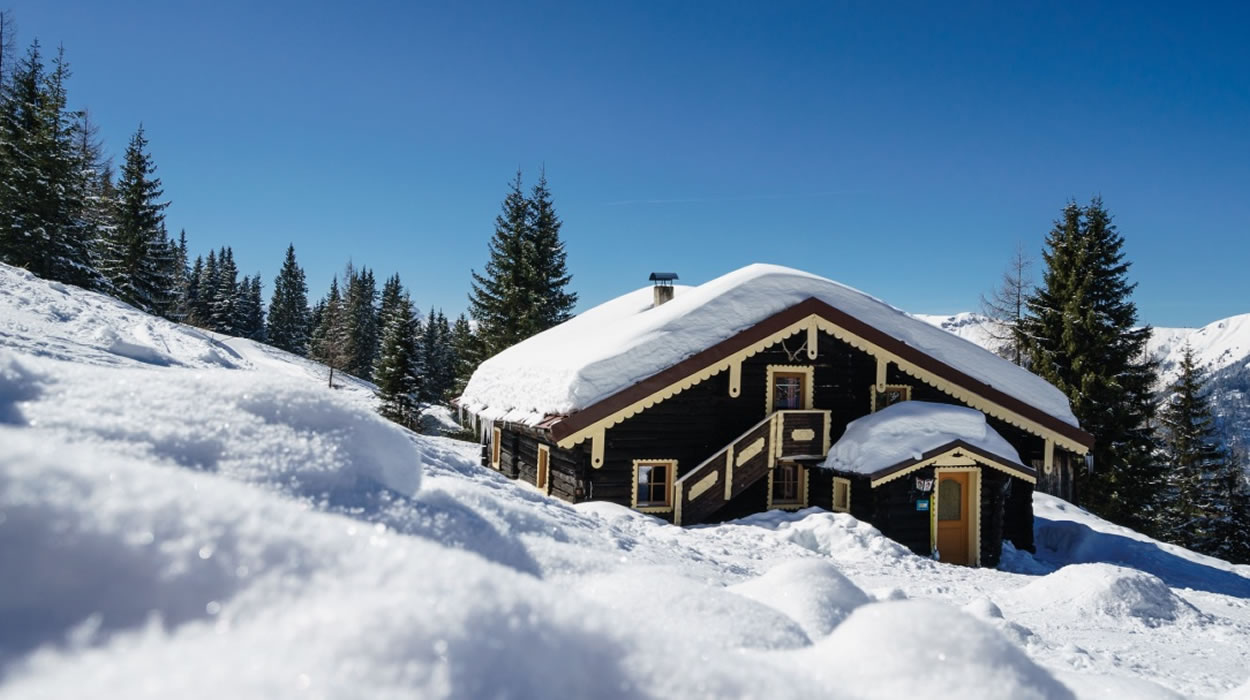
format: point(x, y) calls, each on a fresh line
point(909, 429)
point(623, 341)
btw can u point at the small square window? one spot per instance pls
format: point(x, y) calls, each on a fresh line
point(653, 484)
point(894, 393)
point(841, 495)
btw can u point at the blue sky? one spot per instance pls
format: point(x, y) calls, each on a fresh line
point(901, 148)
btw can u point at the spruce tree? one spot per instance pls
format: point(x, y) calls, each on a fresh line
point(553, 304)
point(136, 259)
point(289, 324)
point(464, 352)
point(331, 337)
point(502, 298)
point(209, 278)
point(222, 313)
point(1195, 461)
point(362, 323)
point(191, 299)
point(249, 310)
point(43, 201)
point(398, 373)
point(1080, 333)
point(522, 290)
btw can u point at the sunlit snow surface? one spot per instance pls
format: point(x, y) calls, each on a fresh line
point(230, 527)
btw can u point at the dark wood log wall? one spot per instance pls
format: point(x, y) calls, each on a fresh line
point(700, 421)
point(697, 423)
point(518, 459)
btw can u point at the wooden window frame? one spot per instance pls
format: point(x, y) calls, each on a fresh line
point(804, 478)
point(906, 388)
point(542, 469)
point(808, 373)
point(840, 481)
point(496, 447)
point(671, 465)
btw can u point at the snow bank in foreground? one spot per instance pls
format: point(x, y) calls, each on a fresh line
point(1081, 590)
point(909, 429)
point(920, 648)
point(838, 535)
point(251, 428)
point(812, 592)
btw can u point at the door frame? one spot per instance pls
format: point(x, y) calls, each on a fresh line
point(974, 510)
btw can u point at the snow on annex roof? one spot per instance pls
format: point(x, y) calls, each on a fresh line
point(907, 431)
point(623, 341)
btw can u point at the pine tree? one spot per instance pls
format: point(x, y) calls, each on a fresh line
point(209, 279)
point(522, 291)
point(1232, 530)
point(362, 323)
point(464, 352)
point(222, 314)
point(553, 305)
point(1005, 307)
point(136, 256)
point(330, 338)
point(1080, 333)
point(289, 323)
point(249, 310)
point(43, 201)
point(501, 298)
point(398, 373)
point(182, 280)
point(392, 295)
point(191, 298)
point(1195, 461)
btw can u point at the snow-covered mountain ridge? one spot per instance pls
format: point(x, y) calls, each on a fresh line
point(1222, 347)
point(183, 516)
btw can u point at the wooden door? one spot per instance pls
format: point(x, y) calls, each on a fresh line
point(953, 517)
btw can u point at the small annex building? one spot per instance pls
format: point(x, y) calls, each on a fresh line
point(770, 388)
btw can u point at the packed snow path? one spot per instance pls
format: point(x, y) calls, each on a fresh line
point(222, 524)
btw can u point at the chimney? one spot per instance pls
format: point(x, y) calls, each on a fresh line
point(663, 286)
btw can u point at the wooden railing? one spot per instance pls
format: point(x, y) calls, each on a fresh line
point(784, 435)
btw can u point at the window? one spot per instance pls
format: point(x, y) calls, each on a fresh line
point(894, 393)
point(787, 486)
point(786, 483)
point(542, 476)
point(950, 500)
point(653, 484)
point(841, 495)
point(496, 445)
point(789, 388)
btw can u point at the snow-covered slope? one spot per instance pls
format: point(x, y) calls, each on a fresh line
point(195, 528)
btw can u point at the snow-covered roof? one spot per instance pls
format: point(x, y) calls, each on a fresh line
point(623, 341)
point(907, 431)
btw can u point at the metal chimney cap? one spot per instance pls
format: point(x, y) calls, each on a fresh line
point(663, 276)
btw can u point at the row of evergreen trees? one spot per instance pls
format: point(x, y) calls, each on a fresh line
point(1164, 472)
point(62, 215)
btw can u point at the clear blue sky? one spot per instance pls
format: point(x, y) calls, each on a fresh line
point(903, 150)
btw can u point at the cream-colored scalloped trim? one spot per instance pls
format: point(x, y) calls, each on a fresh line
point(956, 456)
point(595, 431)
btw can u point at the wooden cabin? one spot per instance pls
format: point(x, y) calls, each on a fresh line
point(701, 404)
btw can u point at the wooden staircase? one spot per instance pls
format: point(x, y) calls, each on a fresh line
point(784, 435)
